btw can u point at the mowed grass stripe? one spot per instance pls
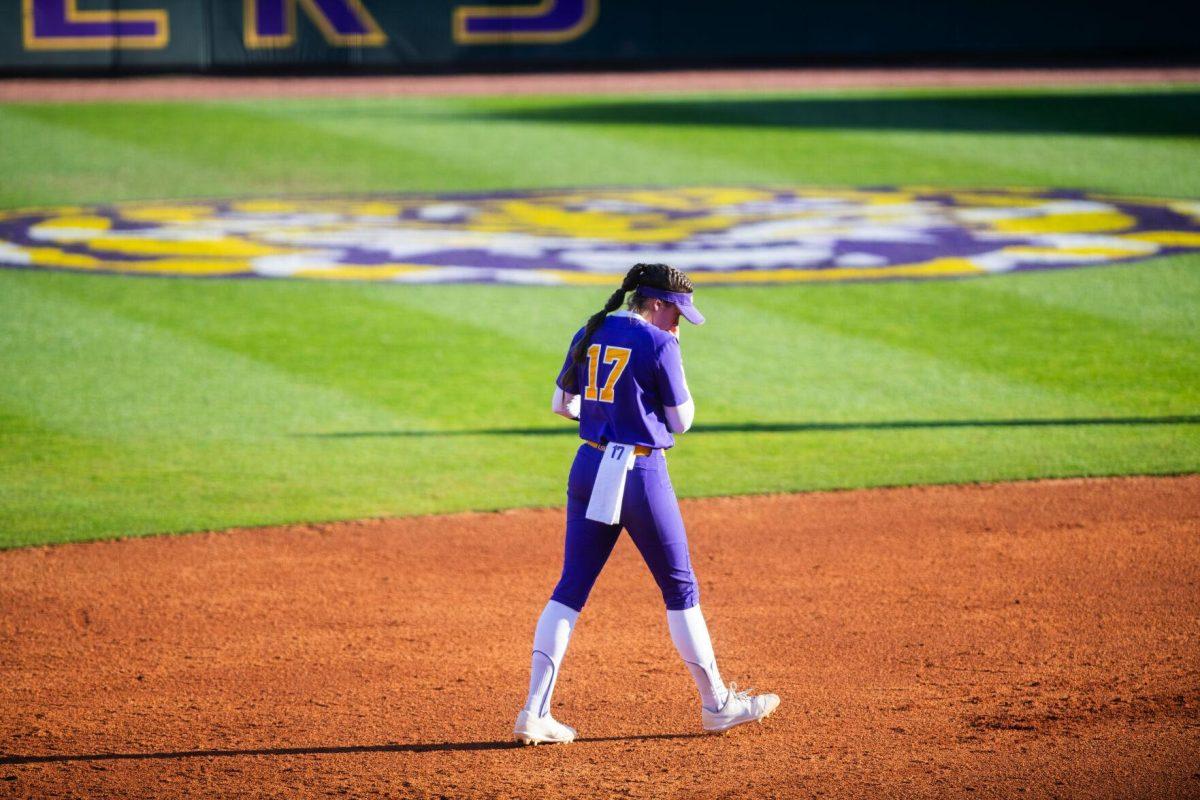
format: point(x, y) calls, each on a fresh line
point(416, 145)
point(144, 430)
point(956, 137)
point(47, 162)
point(507, 151)
point(793, 370)
point(90, 488)
point(1151, 303)
point(87, 369)
point(1137, 165)
point(717, 464)
point(417, 357)
point(161, 150)
point(1021, 339)
point(504, 154)
point(159, 429)
point(223, 150)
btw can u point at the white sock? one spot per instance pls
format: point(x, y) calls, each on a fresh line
point(549, 646)
point(689, 632)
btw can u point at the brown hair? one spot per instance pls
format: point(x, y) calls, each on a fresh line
point(658, 276)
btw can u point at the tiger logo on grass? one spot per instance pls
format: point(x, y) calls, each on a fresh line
point(731, 235)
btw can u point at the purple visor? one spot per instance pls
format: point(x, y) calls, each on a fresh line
point(682, 300)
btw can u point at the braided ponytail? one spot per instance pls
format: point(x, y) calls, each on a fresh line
point(579, 352)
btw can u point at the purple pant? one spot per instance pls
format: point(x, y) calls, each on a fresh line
point(649, 512)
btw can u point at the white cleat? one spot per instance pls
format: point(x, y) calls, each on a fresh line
point(741, 707)
point(541, 730)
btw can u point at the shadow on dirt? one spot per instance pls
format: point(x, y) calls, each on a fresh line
point(434, 747)
point(792, 427)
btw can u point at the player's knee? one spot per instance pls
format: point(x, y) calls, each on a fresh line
point(573, 596)
point(681, 595)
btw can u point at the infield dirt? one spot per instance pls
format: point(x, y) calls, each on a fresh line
point(1028, 639)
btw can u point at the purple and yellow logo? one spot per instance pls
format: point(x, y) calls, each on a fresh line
point(716, 234)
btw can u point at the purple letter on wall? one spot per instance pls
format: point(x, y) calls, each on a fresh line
point(548, 22)
point(343, 23)
point(59, 25)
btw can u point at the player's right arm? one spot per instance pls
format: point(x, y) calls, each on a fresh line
point(567, 402)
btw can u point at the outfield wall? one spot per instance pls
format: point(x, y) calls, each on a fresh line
point(205, 35)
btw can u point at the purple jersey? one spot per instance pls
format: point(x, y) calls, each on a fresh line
point(631, 374)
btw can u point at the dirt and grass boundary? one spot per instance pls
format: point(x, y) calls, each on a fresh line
point(195, 87)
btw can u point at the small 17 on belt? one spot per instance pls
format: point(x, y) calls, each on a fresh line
point(638, 450)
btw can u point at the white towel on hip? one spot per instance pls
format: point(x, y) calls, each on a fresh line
point(609, 489)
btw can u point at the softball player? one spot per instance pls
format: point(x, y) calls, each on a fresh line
point(623, 381)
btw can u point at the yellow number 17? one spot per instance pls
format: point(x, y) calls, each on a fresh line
point(619, 358)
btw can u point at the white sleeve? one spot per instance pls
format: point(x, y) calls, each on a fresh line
point(680, 418)
point(565, 404)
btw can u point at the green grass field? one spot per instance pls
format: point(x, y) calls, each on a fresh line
point(138, 405)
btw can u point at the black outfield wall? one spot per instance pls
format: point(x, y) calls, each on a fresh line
point(381, 35)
